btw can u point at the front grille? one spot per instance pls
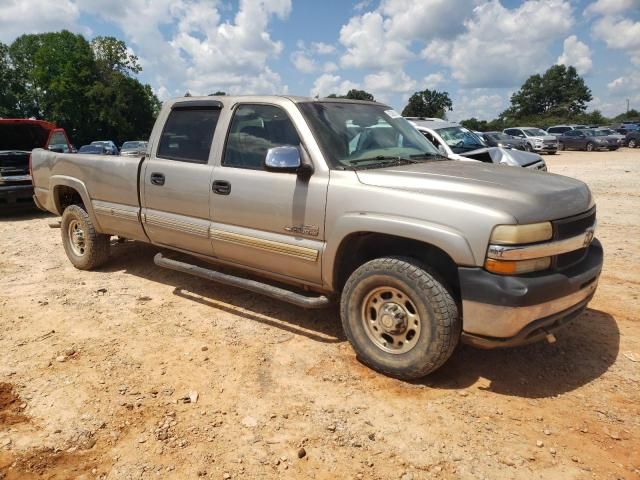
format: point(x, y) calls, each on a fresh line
point(568, 259)
point(573, 226)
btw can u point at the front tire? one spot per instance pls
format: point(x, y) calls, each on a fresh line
point(560, 146)
point(528, 147)
point(589, 147)
point(632, 143)
point(86, 249)
point(399, 317)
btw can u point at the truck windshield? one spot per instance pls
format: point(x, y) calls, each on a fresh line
point(354, 135)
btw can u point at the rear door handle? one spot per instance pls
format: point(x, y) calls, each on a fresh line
point(221, 187)
point(157, 178)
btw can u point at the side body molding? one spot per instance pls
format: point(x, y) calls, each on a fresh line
point(447, 239)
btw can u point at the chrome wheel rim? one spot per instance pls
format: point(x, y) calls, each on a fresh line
point(76, 238)
point(391, 320)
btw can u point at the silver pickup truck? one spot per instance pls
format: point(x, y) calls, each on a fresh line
point(316, 200)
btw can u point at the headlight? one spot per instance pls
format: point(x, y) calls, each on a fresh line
point(511, 267)
point(515, 234)
point(500, 145)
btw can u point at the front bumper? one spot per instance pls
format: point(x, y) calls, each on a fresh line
point(545, 148)
point(506, 311)
point(16, 196)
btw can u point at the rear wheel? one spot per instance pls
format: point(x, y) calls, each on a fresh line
point(399, 317)
point(632, 143)
point(85, 248)
point(589, 147)
point(560, 146)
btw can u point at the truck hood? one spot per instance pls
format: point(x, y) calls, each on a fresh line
point(528, 196)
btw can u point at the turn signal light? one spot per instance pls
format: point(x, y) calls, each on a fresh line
point(512, 267)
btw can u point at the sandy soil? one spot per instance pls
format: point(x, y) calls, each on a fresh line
point(97, 369)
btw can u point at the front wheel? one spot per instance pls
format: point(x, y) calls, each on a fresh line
point(528, 147)
point(589, 147)
point(560, 146)
point(399, 317)
point(632, 143)
point(85, 248)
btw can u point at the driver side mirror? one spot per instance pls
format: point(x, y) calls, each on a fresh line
point(287, 159)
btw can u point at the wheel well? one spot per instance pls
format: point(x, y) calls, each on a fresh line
point(358, 248)
point(65, 196)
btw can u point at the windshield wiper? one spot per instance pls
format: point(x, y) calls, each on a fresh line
point(429, 155)
point(384, 160)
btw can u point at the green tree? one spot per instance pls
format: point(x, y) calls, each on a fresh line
point(7, 84)
point(88, 89)
point(428, 103)
point(218, 93)
point(112, 55)
point(355, 94)
point(474, 124)
point(559, 92)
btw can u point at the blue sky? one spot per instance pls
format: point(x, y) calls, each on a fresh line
point(480, 51)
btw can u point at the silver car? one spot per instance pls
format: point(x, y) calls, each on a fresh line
point(537, 139)
point(133, 148)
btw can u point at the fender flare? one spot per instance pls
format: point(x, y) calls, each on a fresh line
point(63, 180)
point(449, 240)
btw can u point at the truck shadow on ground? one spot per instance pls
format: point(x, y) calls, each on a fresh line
point(318, 325)
point(23, 214)
point(584, 351)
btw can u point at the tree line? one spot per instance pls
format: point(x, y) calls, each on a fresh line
point(557, 96)
point(87, 88)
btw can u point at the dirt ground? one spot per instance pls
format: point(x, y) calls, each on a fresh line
point(97, 370)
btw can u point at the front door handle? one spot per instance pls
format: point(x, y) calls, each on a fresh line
point(221, 187)
point(157, 178)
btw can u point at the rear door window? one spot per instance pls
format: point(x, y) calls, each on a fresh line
point(188, 133)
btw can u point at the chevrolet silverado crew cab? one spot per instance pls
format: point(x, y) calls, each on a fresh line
point(313, 200)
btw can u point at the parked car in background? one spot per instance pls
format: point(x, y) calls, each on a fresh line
point(560, 129)
point(537, 139)
point(632, 139)
point(17, 138)
point(459, 143)
point(585, 140)
point(133, 148)
point(611, 134)
point(94, 150)
point(626, 127)
point(110, 146)
point(500, 139)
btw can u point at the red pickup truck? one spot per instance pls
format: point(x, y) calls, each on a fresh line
point(17, 138)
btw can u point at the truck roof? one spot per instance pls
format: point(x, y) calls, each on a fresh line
point(268, 98)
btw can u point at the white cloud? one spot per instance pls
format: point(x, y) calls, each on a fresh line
point(385, 82)
point(368, 46)
point(626, 85)
point(577, 54)
point(619, 33)
point(327, 84)
point(501, 46)
point(322, 48)
point(478, 103)
point(304, 57)
point(434, 80)
point(414, 20)
point(610, 7)
point(18, 17)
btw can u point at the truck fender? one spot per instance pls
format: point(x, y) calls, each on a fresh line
point(445, 238)
point(79, 186)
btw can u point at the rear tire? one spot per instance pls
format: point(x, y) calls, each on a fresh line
point(85, 248)
point(399, 317)
point(560, 146)
point(589, 147)
point(632, 143)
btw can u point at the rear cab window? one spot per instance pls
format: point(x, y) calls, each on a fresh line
point(188, 132)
